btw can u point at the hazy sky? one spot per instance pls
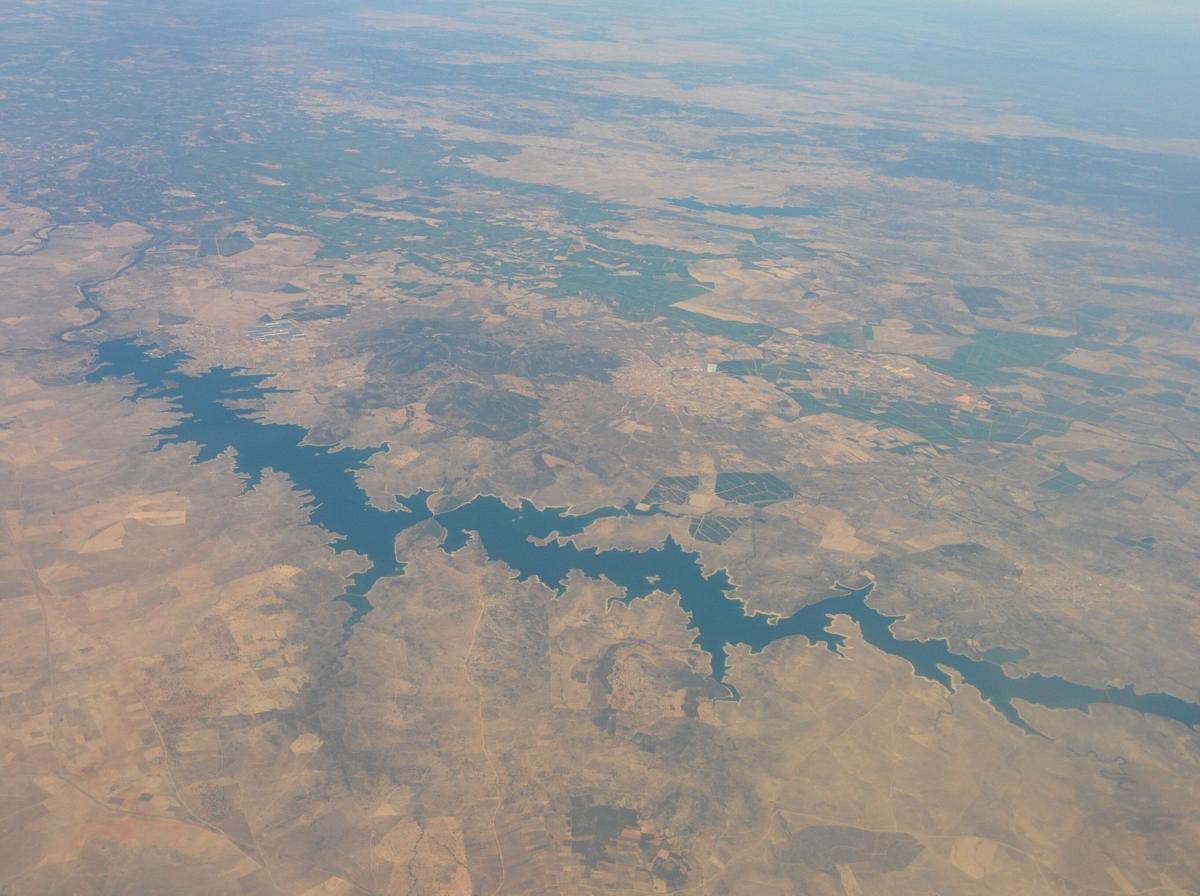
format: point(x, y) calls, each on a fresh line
point(1153, 15)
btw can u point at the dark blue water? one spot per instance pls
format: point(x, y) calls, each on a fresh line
point(212, 414)
point(207, 419)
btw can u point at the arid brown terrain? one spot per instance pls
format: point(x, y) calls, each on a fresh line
point(287, 287)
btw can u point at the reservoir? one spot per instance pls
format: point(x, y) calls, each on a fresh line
point(211, 413)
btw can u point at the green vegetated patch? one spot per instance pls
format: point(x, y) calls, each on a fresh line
point(490, 413)
point(1063, 322)
point(638, 282)
point(1185, 361)
point(299, 175)
point(691, 203)
point(842, 337)
point(309, 177)
point(611, 836)
point(672, 490)
point(498, 249)
point(733, 330)
point(1086, 413)
point(1129, 289)
point(829, 847)
point(771, 371)
point(1002, 655)
point(758, 489)
point(766, 244)
point(1168, 399)
point(595, 827)
point(714, 529)
point(416, 344)
point(1102, 383)
point(292, 175)
point(1064, 481)
point(1087, 323)
point(223, 244)
point(993, 356)
point(981, 300)
point(1145, 543)
point(318, 312)
point(939, 423)
point(1171, 320)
